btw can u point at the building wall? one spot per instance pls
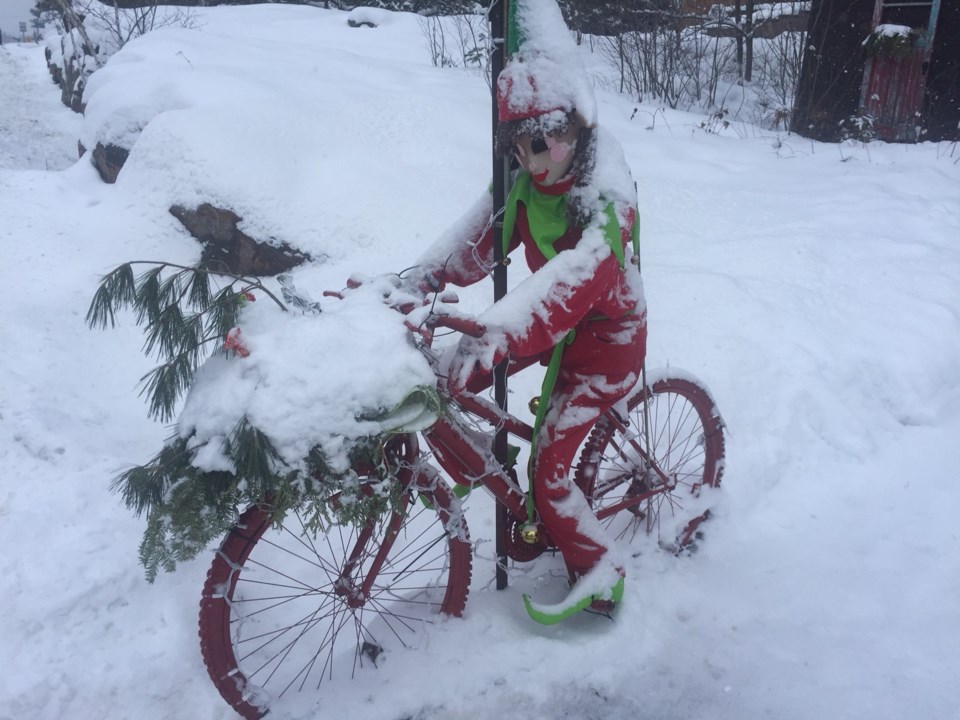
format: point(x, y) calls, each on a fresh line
point(942, 108)
point(828, 91)
point(831, 78)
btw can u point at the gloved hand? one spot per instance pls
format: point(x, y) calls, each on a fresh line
point(423, 281)
point(474, 356)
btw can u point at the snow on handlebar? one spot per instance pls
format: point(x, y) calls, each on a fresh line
point(431, 315)
point(424, 314)
point(460, 323)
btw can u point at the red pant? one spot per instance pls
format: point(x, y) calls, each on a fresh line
point(599, 368)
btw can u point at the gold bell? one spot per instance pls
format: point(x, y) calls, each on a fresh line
point(534, 405)
point(530, 534)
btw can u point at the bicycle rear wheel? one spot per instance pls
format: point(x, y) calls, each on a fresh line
point(285, 609)
point(653, 484)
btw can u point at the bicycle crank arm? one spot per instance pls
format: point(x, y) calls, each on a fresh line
point(633, 501)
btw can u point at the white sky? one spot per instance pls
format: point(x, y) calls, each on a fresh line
point(12, 12)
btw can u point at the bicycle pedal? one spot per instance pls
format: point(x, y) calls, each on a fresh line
point(598, 613)
point(371, 650)
point(602, 607)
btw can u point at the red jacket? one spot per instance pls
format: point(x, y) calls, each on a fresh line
point(587, 291)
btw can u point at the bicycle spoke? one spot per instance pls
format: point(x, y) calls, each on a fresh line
point(386, 615)
point(248, 581)
point(305, 623)
point(640, 475)
point(254, 613)
point(281, 574)
point(275, 633)
point(418, 556)
point(306, 606)
point(293, 554)
point(329, 641)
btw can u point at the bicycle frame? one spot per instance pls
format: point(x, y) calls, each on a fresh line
point(456, 450)
point(302, 585)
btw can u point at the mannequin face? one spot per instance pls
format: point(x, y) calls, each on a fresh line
point(548, 159)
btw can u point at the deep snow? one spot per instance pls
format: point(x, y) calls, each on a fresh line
point(813, 287)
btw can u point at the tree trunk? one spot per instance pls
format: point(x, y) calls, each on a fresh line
point(738, 19)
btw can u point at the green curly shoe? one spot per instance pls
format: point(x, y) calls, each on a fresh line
point(552, 614)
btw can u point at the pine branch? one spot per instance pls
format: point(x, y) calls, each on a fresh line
point(166, 333)
point(166, 383)
point(252, 283)
point(221, 314)
point(188, 508)
point(143, 487)
point(254, 456)
point(117, 290)
point(200, 508)
point(198, 287)
point(184, 314)
point(180, 315)
point(147, 299)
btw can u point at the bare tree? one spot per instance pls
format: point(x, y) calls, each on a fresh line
point(458, 41)
point(748, 26)
point(126, 23)
point(670, 55)
point(777, 65)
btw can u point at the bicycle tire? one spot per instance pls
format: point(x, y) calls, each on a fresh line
point(686, 443)
point(279, 613)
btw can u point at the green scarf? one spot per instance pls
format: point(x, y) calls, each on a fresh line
point(547, 219)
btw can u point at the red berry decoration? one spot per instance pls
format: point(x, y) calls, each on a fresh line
point(234, 343)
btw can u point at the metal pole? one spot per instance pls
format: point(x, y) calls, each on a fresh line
point(501, 180)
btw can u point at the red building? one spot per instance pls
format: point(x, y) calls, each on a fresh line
point(884, 68)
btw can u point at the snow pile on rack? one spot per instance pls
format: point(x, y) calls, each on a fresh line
point(309, 379)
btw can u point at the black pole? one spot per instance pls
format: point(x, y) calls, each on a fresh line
point(501, 180)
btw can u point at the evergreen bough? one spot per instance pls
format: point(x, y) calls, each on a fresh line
point(185, 319)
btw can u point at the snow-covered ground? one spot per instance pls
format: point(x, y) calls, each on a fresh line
point(814, 287)
point(35, 133)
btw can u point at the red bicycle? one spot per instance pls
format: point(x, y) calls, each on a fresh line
point(286, 608)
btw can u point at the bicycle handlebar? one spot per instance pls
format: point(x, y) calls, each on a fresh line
point(424, 326)
point(459, 323)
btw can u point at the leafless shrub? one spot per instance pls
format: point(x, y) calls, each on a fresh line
point(777, 71)
point(436, 36)
point(123, 25)
point(685, 61)
point(678, 66)
point(458, 41)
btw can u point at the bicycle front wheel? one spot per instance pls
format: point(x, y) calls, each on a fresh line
point(285, 609)
point(647, 474)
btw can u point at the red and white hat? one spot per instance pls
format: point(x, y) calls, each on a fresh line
point(545, 74)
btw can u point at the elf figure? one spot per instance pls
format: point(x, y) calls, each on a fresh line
point(572, 208)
